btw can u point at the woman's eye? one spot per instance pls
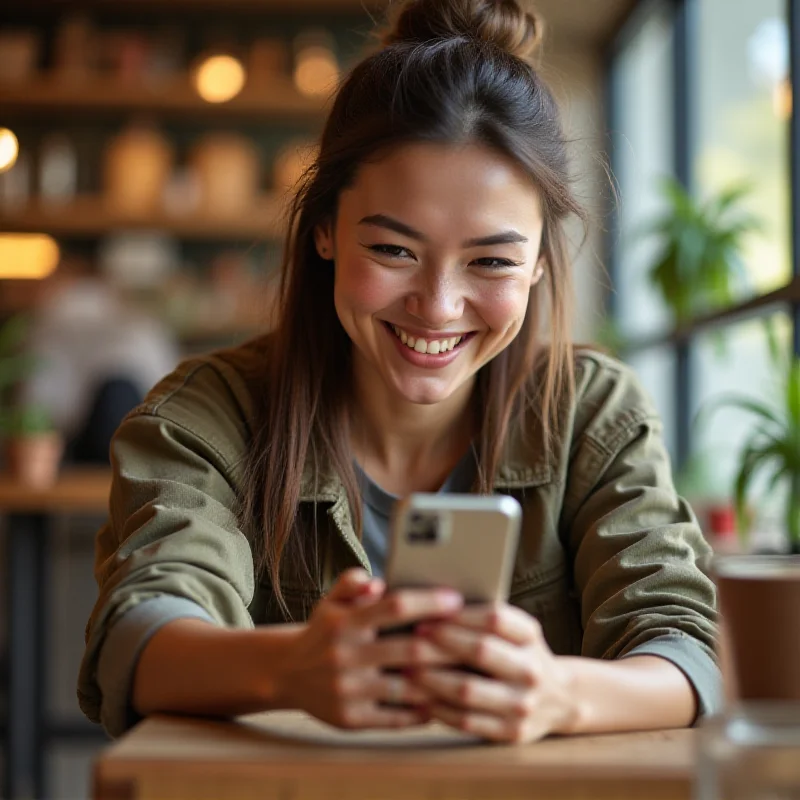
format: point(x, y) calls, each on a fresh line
point(391, 250)
point(495, 263)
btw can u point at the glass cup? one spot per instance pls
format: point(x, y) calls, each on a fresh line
point(751, 752)
point(759, 598)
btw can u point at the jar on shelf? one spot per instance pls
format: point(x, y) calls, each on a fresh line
point(19, 55)
point(228, 168)
point(58, 170)
point(137, 166)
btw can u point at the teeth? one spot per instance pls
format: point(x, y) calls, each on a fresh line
point(433, 347)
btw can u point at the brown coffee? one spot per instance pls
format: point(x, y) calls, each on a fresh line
point(760, 603)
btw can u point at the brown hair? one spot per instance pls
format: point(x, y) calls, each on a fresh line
point(452, 71)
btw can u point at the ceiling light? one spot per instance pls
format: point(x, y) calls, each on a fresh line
point(27, 256)
point(219, 78)
point(9, 149)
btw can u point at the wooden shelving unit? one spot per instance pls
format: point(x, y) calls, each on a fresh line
point(49, 94)
point(228, 6)
point(93, 216)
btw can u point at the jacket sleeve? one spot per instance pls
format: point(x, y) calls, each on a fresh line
point(636, 545)
point(172, 528)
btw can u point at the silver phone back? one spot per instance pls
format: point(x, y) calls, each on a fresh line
point(475, 554)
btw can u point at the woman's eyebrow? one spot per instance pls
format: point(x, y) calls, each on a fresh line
point(392, 224)
point(506, 237)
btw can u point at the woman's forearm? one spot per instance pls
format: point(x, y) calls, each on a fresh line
point(636, 693)
point(194, 667)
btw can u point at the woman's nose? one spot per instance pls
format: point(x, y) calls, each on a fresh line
point(436, 301)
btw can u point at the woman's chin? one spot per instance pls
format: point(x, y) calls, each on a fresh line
point(424, 392)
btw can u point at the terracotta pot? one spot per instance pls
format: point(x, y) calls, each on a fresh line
point(35, 460)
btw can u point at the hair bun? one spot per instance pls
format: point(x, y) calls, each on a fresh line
point(503, 23)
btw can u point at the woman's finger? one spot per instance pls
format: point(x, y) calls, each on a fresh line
point(508, 622)
point(409, 605)
point(473, 692)
point(487, 653)
point(403, 651)
point(397, 690)
point(368, 714)
point(487, 726)
point(353, 584)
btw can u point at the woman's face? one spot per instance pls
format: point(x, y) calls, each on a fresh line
point(436, 248)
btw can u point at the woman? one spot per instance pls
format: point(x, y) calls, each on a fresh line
point(253, 486)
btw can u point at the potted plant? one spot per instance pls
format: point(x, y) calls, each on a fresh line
point(699, 267)
point(772, 448)
point(32, 447)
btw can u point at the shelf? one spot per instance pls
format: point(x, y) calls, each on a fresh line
point(93, 216)
point(226, 6)
point(49, 94)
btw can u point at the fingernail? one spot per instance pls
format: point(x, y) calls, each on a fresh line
point(452, 600)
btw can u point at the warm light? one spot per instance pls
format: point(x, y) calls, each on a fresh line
point(219, 78)
point(316, 72)
point(782, 100)
point(9, 149)
point(27, 256)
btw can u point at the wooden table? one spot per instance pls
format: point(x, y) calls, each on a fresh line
point(27, 731)
point(292, 757)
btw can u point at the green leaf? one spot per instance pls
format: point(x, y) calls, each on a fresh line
point(793, 391)
point(25, 421)
point(699, 266)
point(743, 403)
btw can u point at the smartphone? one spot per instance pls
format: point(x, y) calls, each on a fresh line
point(463, 542)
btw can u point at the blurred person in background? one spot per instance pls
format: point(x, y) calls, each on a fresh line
point(98, 357)
point(254, 488)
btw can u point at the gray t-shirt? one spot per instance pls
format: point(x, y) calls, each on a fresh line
point(378, 504)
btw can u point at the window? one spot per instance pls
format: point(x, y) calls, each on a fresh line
point(700, 89)
point(733, 360)
point(655, 367)
point(643, 145)
point(742, 106)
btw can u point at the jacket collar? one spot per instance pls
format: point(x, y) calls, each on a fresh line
point(525, 465)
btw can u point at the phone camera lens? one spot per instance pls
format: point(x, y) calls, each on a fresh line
point(423, 528)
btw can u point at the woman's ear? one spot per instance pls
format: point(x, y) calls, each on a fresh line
point(538, 271)
point(323, 239)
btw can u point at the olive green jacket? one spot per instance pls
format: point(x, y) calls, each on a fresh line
point(608, 554)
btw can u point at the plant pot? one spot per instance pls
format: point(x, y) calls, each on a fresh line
point(35, 460)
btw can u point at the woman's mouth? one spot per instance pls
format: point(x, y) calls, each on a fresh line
point(427, 346)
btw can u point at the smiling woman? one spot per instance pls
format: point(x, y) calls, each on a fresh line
point(404, 266)
point(422, 345)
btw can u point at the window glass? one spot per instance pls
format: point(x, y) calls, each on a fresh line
point(742, 106)
point(656, 370)
point(642, 142)
point(736, 360)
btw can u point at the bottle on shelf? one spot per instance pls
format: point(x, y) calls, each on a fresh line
point(58, 170)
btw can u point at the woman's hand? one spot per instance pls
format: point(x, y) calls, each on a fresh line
point(524, 691)
point(336, 668)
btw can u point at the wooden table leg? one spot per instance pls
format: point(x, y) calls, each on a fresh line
point(26, 684)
